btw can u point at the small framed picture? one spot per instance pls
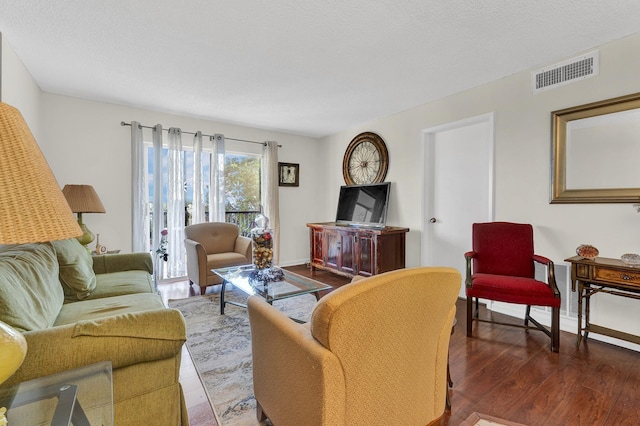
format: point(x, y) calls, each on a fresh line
point(289, 174)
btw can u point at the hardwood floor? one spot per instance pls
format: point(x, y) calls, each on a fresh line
point(504, 372)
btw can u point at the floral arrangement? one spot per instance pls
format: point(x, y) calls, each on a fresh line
point(265, 276)
point(162, 248)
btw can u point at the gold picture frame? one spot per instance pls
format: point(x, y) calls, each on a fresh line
point(288, 174)
point(595, 152)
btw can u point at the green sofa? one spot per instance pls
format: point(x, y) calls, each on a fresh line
point(75, 309)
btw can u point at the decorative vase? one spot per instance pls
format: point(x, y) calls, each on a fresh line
point(262, 244)
point(262, 247)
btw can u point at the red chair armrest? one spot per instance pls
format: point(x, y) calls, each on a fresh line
point(468, 256)
point(541, 259)
point(551, 276)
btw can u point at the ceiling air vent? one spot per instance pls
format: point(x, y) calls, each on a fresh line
point(566, 72)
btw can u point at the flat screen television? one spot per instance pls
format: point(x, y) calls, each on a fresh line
point(363, 205)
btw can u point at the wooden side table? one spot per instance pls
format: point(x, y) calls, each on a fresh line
point(602, 275)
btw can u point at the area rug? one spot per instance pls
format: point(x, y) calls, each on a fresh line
point(220, 346)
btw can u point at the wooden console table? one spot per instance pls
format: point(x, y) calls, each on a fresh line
point(602, 275)
point(351, 251)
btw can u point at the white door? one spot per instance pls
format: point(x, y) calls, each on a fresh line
point(458, 189)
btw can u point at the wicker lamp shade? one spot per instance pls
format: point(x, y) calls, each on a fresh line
point(83, 199)
point(32, 210)
point(32, 207)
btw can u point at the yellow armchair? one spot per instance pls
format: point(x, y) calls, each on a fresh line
point(214, 245)
point(374, 352)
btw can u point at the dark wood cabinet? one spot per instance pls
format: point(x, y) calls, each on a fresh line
point(353, 251)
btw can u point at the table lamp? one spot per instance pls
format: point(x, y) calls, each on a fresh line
point(32, 210)
point(83, 199)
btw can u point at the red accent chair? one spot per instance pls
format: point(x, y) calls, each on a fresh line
point(503, 270)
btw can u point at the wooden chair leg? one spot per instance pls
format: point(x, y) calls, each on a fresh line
point(469, 316)
point(527, 315)
point(203, 290)
point(555, 329)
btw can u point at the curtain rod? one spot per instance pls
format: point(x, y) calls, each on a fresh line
point(122, 123)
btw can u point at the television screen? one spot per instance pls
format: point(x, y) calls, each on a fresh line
point(363, 205)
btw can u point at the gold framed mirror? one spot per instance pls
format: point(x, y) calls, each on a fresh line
point(596, 152)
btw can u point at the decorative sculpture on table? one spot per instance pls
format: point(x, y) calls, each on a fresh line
point(587, 251)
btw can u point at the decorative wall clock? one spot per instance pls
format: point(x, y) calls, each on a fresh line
point(366, 160)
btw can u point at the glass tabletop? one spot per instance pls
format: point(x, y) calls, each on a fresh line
point(82, 396)
point(272, 284)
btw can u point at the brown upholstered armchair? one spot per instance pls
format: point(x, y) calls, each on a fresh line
point(214, 245)
point(374, 352)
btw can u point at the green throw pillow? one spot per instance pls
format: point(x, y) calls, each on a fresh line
point(30, 293)
point(76, 269)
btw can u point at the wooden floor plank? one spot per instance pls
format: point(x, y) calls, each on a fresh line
point(626, 409)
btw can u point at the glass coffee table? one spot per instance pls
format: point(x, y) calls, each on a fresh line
point(271, 284)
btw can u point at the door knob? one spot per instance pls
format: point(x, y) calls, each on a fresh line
point(432, 220)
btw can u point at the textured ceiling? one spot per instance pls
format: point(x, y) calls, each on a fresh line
point(300, 66)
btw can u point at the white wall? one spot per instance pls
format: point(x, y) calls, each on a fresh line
point(522, 166)
point(19, 89)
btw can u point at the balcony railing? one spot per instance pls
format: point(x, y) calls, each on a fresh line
point(244, 219)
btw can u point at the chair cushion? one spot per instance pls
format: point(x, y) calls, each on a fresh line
point(76, 269)
point(503, 248)
point(30, 292)
point(524, 291)
point(224, 260)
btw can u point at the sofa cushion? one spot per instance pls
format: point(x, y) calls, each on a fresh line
point(121, 283)
point(88, 310)
point(76, 269)
point(30, 292)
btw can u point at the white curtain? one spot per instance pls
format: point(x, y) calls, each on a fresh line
point(158, 216)
point(139, 192)
point(270, 199)
point(197, 208)
point(216, 183)
point(175, 205)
